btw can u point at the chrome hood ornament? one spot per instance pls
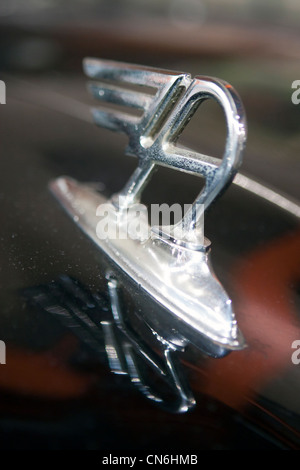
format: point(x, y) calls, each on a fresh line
point(170, 263)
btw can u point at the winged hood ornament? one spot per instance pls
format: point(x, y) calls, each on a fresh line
point(171, 262)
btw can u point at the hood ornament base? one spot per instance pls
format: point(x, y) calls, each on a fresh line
point(179, 279)
point(173, 269)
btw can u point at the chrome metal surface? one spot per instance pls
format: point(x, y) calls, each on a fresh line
point(175, 272)
point(152, 137)
point(179, 279)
